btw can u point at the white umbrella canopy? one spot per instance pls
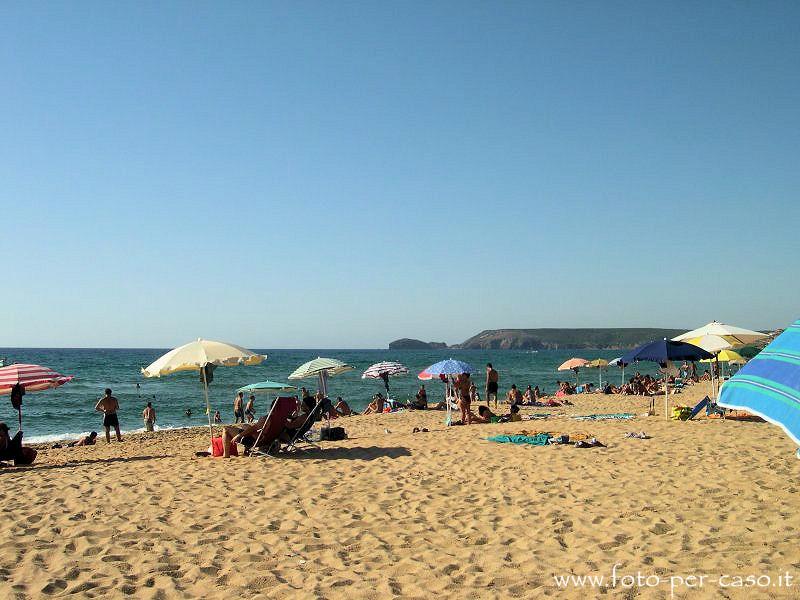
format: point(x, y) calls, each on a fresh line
point(737, 336)
point(196, 356)
point(322, 368)
point(710, 343)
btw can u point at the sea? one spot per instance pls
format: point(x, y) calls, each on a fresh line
point(68, 411)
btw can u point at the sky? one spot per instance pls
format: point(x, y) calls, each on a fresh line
point(341, 174)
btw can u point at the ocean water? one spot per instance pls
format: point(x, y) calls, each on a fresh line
point(68, 411)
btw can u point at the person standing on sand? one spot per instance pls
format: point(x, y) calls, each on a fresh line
point(238, 408)
point(462, 388)
point(109, 405)
point(492, 380)
point(149, 416)
point(217, 417)
point(250, 409)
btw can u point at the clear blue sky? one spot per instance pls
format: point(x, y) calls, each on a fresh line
point(340, 174)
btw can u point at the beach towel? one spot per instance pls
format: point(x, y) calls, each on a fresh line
point(535, 417)
point(539, 439)
point(603, 417)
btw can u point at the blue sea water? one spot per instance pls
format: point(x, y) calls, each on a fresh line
point(68, 411)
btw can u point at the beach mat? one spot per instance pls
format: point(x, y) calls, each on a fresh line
point(603, 417)
point(539, 439)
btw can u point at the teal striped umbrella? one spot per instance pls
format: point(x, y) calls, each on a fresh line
point(769, 385)
point(321, 368)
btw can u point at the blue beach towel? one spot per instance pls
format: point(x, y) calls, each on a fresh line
point(540, 439)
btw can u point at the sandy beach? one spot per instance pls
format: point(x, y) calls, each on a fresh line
point(391, 513)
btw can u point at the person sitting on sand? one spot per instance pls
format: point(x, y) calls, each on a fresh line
point(420, 401)
point(537, 395)
point(527, 396)
point(342, 408)
point(485, 416)
point(514, 396)
point(12, 448)
point(87, 440)
point(376, 406)
point(513, 415)
point(706, 376)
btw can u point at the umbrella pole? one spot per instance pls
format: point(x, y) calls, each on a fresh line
point(208, 404)
point(666, 397)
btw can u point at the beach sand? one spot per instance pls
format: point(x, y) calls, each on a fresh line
point(395, 514)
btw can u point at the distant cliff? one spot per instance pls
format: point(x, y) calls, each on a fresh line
point(541, 339)
point(409, 344)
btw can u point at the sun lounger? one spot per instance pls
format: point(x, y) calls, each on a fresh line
point(274, 425)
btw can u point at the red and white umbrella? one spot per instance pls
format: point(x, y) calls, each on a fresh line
point(31, 378)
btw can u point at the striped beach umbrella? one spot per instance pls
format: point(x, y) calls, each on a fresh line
point(769, 385)
point(384, 370)
point(32, 377)
point(322, 368)
point(28, 378)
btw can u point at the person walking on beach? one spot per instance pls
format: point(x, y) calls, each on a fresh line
point(250, 409)
point(238, 408)
point(149, 416)
point(109, 405)
point(492, 379)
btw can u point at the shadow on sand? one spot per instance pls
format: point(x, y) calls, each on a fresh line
point(339, 453)
point(80, 463)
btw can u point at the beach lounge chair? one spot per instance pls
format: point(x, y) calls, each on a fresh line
point(300, 435)
point(274, 425)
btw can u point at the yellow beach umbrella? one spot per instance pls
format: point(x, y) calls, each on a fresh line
point(726, 356)
point(599, 364)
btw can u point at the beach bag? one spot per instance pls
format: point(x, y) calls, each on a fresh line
point(216, 448)
point(333, 434)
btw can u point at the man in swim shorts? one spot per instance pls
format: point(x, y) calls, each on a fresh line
point(238, 408)
point(109, 405)
point(492, 379)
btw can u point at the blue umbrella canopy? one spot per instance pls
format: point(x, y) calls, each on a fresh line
point(660, 351)
point(266, 387)
point(445, 367)
point(769, 385)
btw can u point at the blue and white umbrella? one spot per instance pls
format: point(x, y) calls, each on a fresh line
point(443, 370)
point(769, 385)
point(445, 367)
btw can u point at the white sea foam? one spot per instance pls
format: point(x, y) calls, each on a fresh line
point(60, 437)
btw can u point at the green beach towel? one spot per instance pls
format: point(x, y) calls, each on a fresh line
point(540, 439)
point(604, 417)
